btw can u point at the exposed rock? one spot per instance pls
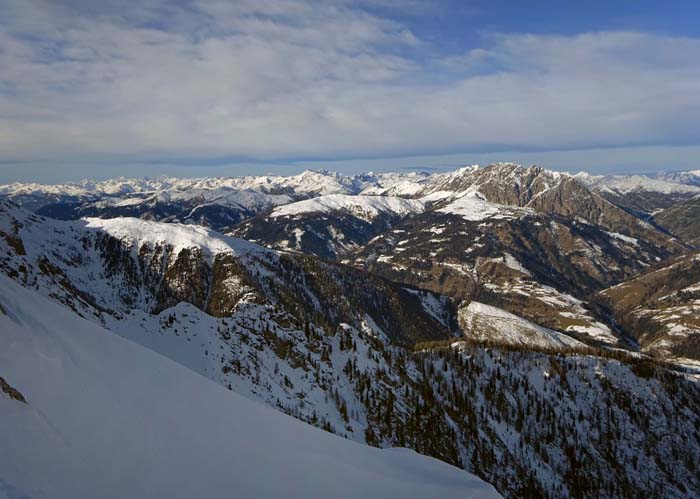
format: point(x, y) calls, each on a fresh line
point(10, 391)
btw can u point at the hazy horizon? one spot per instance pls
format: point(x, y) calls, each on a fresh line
point(49, 173)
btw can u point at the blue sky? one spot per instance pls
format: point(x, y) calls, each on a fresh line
point(213, 87)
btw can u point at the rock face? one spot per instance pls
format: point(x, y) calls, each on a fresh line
point(661, 308)
point(683, 220)
point(546, 192)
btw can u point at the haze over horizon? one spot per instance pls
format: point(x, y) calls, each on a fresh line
point(199, 88)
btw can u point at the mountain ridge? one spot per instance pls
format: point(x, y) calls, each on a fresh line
point(369, 359)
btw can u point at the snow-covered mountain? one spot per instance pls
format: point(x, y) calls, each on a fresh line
point(533, 242)
point(317, 183)
point(668, 199)
point(644, 195)
point(123, 191)
point(369, 359)
point(224, 202)
point(335, 226)
point(364, 207)
point(329, 226)
point(623, 184)
point(220, 203)
point(113, 266)
point(559, 240)
point(471, 315)
point(102, 417)
point(688, 178)
point(507, 186)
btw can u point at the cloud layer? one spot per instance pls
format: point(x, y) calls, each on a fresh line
point(276, 79)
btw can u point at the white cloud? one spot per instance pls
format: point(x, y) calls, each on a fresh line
point(273, 79)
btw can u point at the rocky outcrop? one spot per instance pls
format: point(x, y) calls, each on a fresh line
point(10, 391)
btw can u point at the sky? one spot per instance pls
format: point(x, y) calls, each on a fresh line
point(98, 89)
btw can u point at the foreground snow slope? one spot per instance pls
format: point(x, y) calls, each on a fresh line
point(107, 418)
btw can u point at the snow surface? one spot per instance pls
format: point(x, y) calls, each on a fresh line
point(568, 308)
point(624, 184)
point(400, 189)
point(485, 322)
point(136, 232)
point(624, 238)
point(307, 183)
point(367, 207)
point(107, 418)
point(472, 207)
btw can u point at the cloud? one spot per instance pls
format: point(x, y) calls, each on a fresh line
point(276, 79)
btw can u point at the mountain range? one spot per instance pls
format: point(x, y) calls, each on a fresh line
point(532, 327)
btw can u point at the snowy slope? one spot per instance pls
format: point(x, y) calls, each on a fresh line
point(365, 207)
point(626, 183)
point(106, 418)
point(473, 207)
point(309, 182)
point(136, 232)
point(241, 199)
point(117, 186)
point(688, 178)
point(487, 323)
